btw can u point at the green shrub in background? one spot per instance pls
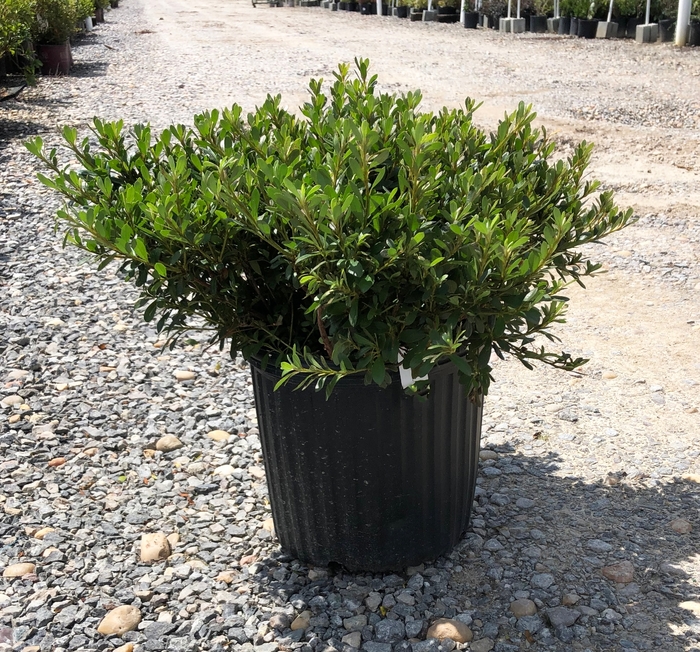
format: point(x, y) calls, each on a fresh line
point(543, 7)
point(341, 242)
point(55, 21)
point(84, 8)
point(16, 18)
point(575, 8)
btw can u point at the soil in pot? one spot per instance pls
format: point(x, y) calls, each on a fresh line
point(667, 30)
point(587, 28)
point(471, 19)
point(564, 25)
point(573, 28)
point(371, 478)
point(55, 59)
point(538, 24)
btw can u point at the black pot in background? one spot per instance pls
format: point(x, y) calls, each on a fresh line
point(55, 59)
point(371, 478)
point(573, 29)
point(3, 66)
point(368, 8)
point(538, 24)
point(386, 10)
point(416, 15)
point(114, 3)
point(564, 25)
point(631, 31)
point(99, 15)
point(471, 19)
point(402, 12)
point(587, 28)
point(446, 10)
point(694, 33)
point(667, 30)
point(343, 6)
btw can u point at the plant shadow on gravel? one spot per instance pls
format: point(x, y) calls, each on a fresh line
point(89, 69)
point(555, 543)
point(11, 129)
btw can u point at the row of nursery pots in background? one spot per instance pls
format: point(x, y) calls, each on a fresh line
point(36, 34)
point(536, 17)
point(369, 324)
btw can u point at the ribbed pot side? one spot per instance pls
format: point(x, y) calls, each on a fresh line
point(371, 479)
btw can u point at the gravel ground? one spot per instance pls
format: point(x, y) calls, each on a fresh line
point(587, 508)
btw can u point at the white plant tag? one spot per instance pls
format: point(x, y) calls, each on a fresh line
point(406, 375)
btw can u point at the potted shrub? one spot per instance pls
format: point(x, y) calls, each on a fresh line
point(538, 21)
point(368, 7)
point(16, 18)
point(99, 10)
point(54, 25)
point(366, 259)
point(417, 9)
point(494, 10)
point(402, 8)
point(448, 11)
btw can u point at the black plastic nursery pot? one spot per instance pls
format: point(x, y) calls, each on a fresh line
point(587, 28)
point(471, 19)
point(694, 33)
point(667, 30)
point(573, 28)
point(538, 24)
point(371, 479)
point(631, 31)
point(447, 15)
point(368, 8)
point(55, 59)
point(402, 12)
point(113, 3)
point(564, 25)
point(416, 15)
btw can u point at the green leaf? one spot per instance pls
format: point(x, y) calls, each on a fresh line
point(378, 371)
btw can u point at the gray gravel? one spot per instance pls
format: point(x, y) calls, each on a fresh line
point(578, 472)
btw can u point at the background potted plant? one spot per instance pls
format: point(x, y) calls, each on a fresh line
point(366, 259)
point(494, 10)
point(542, 10)
point(694, 30)
point(417, 8)
point(99, 10)
point(402, 8)
point(53, 26)
point(16, 18)
point(448, 11)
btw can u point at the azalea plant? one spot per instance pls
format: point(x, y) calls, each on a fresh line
point(363, 236)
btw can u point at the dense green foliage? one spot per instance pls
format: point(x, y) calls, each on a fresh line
point(16, 18)
point(339, 241)
point(55, 21)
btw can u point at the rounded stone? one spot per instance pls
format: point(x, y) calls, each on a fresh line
point(523, 607)
point(154, 547)
point(218, 435)
point(168, 443)
point(681, 526)
point(182, 374)
point(19, 570)
point(120, 620)
point(622, 573)
point(450, 628)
